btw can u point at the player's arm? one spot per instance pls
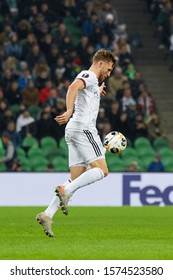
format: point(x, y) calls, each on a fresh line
point(102, 89)
point(70, 100)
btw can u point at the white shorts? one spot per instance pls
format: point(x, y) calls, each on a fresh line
point(84, 147)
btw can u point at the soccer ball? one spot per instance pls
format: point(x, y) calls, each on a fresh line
point(115, 142)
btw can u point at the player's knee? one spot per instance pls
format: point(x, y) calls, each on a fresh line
point(105, 172)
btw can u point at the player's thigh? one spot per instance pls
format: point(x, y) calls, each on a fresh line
point(89, 146)
point(100, 163)
point(74, 156)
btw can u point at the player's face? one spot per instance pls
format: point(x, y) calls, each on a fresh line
point(105, 70)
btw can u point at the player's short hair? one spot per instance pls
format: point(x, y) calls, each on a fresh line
point(105, 55)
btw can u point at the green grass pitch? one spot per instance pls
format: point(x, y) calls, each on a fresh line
point(93, 233)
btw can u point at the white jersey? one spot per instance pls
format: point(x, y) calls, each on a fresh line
point(86, 104)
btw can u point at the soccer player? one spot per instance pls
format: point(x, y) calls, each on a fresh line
point(84, 144)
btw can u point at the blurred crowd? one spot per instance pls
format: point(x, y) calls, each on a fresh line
point(44, 44)
point(162, 16)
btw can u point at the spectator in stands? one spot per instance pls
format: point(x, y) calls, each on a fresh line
point(104, 43)
point(120, 92)
point(14, 136)
point(59, 32)
point(10, 154)
point(130, 71)
point(23, 29)
point(156, 165)
point(23, 123)
point(23, 78)
point(34, 56)
point(6, 79)
point(13, 48)
point(13, 95)
point(109, 27)
point(82, 47)
point(7, 116)
point(125, 58)
point(135, 85)
point(106, 128)
point(106, 9)
point(44, 93)
point(87, 57)
point(132, 167)
point(154, 127)
point(53, 97)
point(66, 45)
point(121, 42)
point(44, 126)
point(89, 25)
point(49, 14)
point(145, 103)
point(11, 63)
point(27, 46)
point(123, 125)
point(30, 94)
point(113, 114)
point(128, 101)
point(41, 73)
point(101, 119)
point(52, 57)
point(161, 21)
point(46, 44)
point(139, 128)
point(115, 82)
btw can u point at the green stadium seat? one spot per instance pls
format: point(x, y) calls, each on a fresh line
point(146, 160)
point(117, 167)
point(52, 152)
point(39, 168)
point(34, 110)
point(3, 168)
point(25, 164)
point(146, 151)
point(129, 159)
point(26, 167)
point(34, 152)
point(15, 108)
point(20, 152)
point(61, 167)
point(165, 151)
point(63, 146)
point(129, 151)
point(29, 142)
point(48, 141)
point(141, 142)
point(38, 159)
point(168, 162)
point(59, 160)
point(160, 143)
point(2, 152)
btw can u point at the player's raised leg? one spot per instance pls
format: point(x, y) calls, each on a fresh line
point(45, 218)
point(64, 197)
point(97, 172)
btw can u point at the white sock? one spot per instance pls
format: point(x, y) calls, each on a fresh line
point(88, 177)
point(53, 206)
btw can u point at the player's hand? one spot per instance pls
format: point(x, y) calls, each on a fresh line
point(63, 119)
point(102, 89)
